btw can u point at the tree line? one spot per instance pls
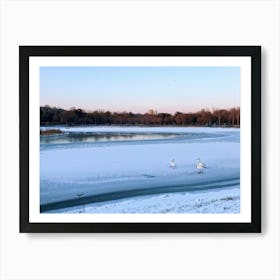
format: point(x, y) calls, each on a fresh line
point(216, 117)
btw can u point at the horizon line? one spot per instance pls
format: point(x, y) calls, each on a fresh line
point(151, 110)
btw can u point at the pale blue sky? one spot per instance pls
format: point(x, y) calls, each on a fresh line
point(138, 89)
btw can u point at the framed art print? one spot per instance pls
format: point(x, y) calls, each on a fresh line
point(140, 138)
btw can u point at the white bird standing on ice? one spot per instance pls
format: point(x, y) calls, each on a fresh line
point(172, 163)
point(200, 166)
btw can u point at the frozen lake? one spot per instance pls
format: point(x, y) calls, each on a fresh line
point(103, 164)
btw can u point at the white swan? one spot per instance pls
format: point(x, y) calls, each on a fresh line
point(172, 163)
point(200, 166)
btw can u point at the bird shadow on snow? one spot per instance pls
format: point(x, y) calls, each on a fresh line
point(148, 176)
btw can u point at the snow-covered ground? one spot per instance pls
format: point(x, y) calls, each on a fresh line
point(211, 202)
point(108, 170)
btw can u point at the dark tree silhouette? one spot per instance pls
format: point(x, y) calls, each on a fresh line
point(216, 117)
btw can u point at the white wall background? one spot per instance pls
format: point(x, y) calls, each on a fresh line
point(139, 256)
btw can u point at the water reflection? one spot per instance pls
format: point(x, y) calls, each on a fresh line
point(102, 137)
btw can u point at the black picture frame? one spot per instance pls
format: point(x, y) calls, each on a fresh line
point(254, 52)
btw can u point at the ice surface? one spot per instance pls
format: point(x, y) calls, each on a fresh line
point(108, 171)
point(162, 129)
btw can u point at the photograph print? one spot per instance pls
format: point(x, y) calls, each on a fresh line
point(141, 140)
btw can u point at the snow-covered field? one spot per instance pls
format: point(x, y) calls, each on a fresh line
point(121, 174)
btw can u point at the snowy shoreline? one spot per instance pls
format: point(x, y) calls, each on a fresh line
point(162, 129)
point(211, 202)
